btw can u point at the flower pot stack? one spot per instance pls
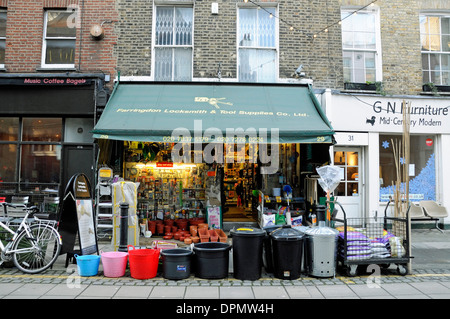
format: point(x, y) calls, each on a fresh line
point(188, 231)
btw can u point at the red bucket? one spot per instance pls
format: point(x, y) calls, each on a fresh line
point(143, 262)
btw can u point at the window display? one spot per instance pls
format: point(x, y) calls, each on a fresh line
point(422, 171)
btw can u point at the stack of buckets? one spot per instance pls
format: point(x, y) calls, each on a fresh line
point(143, 263)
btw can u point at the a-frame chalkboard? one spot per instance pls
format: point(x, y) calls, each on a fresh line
point(77, 217)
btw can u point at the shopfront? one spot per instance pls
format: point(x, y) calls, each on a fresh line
point(45, 122)
point(368, 128)
point(189, 145)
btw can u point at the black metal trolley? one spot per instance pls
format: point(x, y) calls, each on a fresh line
point(373, 240)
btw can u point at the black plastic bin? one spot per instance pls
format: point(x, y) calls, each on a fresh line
point(211, 260)
point(176, 263)
point(267, 248)
point(247, 252)
point(287, 246)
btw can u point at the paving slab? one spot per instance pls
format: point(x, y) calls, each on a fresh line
point(270, 292)
point(236, 293)
point(203, 292)
point(127, 292)
point(169, 292)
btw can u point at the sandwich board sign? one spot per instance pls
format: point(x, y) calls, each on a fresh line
point(77, 217)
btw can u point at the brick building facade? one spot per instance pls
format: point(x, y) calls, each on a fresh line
point(54, 82)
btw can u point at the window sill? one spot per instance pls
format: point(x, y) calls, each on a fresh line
point(436, 89)
point(368, 88)
point(47, 69)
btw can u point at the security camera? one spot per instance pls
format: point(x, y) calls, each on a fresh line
point(299, 72)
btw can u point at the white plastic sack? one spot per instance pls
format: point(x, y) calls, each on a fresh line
point(125, 192)
point(329, 177)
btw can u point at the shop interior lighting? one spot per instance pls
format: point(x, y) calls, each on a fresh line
point(180, 166)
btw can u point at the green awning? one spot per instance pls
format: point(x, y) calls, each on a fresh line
point(150, 112)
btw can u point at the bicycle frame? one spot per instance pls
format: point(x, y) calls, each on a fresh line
point(23, 225)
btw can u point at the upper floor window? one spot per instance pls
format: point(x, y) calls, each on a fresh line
point(173, 43)
point(59, 40)
point(2, 37)
point(435, 41)
point(360, 46)
point(257, 45)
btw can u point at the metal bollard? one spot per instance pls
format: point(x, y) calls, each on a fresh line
point(123, 243)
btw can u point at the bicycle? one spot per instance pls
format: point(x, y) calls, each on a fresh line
point(35, 244)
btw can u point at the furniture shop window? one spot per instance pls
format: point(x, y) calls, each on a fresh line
point(257, 44)
point(435, 43)
point(2, 37)
point(59, 40)
point(360, 46)
point(421, 170)
point(173, 43)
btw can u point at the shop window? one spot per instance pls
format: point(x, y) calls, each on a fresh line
point(8, 156)
point(42, 129)
point(59, 40)
point(30, 153)
point(40, 164)
point(422, 170)
point(2, 37)
point(257, 45)
point(435, 43)
point(173, 43)
point(9, 128)
point(360, 45)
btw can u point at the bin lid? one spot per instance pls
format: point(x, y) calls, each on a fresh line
point(287, 233)
point(247, 231)
point(321, 230)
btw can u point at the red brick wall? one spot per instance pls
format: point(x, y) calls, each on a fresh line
point(24, 34)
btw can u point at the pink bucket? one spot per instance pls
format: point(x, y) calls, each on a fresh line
point(114, 263)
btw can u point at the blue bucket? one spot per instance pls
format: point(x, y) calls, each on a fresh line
point(87, 265)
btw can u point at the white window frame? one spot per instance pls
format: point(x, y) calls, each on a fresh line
point(44, 45)
point(2, 65)
point(277, 37)
point(173, 46)
point(378, 56)
point(439, 53)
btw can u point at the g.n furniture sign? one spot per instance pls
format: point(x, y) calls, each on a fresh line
point(385, 114)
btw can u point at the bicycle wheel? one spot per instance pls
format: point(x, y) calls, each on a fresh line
point(39, 252)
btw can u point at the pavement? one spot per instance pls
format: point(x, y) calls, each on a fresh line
point(429, 278)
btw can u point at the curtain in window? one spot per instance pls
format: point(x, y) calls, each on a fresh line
point(256, 28)
point(257, 65)
point(173, 61)
point(257, 43)
point(429, 28)
point(173, 27)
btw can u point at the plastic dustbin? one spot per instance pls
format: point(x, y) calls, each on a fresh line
point(176, 263)
point(321, 250)
point(267, 248)
point(211, 260)
point(247, 252)
point(287, 244)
